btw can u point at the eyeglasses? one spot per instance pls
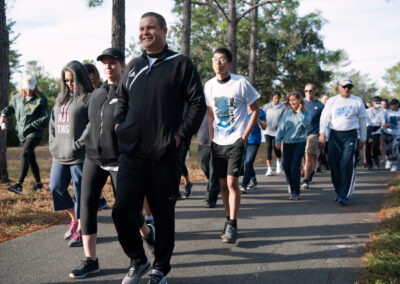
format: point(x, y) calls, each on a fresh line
point(347, 87)
point(221, 60)
point(68, 81)
point(308, 91)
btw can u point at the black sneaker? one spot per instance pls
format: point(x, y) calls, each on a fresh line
point(230, 235)
point(136, 272)
point(88, 266)
point(150, 240)
point(37, 186)
point(157, 277)
point(305, 184)
point(188, 190)
point(211, 204)
point(16, 188)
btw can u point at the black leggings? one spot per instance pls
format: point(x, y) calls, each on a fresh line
point(270, 141)
point(28, 158)
point(93, 180)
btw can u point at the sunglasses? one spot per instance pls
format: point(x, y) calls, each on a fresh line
point(308, 91)
point(347, 87)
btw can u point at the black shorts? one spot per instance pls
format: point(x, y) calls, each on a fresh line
point(228, 159)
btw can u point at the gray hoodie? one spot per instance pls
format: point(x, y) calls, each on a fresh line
point(273, 113)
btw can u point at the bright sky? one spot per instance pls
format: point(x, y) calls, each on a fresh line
point(54, 32)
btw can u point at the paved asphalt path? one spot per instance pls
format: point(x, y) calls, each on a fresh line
point(313, 240)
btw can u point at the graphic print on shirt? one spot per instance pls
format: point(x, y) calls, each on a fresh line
point(344, 111)
point(63, 120)
point(393, 121)
point(225, 114)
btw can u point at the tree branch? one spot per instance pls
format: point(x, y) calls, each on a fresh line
point(256, 6)
point(216, 7)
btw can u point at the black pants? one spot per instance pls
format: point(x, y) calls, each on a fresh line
point(375, 146)
point(204, 155)
point(270, 144)
point(292, 155)
point(181, 155)
point(93, 180)
point(136, 178)
point(28, 158)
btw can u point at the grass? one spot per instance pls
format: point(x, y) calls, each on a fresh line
point(382, 262)
point(32, 211)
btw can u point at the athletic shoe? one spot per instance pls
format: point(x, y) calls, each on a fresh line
point(278, 167)
point(88, 266)
point(269, 172)
point(254, 185)
point(136, 272)
point(224, 230)
point(294, 196)
point(230, 235)
point(37, 186)
point(305, 184)
point(342, 201)
point(310, 180)
point(388, 164)
point(393, 168)
point(76, 240)
point(103, 204)
point(157, 277)
point(243, 190)
point(188, 190)
point(211, 204)
point(73, 225)
point(150, 240)
point(16, 188)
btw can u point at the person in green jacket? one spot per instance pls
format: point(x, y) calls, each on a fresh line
point(32, 117)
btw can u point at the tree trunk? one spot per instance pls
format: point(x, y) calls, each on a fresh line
point(4, 80)
point(231, 32)
point(118, 25)
point(186, 27)
point(253, 45)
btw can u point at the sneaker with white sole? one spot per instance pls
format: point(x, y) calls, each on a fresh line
point(135, 272)
point(269, 172)
point(230, 235)
point(243, 190)
point(16, 188)
point(73, 225)
point(388, 164)
point(76, 240)
point(157, 277)
point(393, 168)
point(305, 184)
point(278, 167)
point(88, 266)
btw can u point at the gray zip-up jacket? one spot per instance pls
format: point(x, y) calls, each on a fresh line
point(67, 131)
point(273, 114)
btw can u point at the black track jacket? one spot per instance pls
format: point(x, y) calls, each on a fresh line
point(150, 105)
point(101, 142)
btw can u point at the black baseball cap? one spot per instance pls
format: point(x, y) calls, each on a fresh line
point(394, 102)
point(112, 52)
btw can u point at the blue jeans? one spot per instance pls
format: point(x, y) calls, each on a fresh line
point(292, 155)
point(249, 172)
point(60, 177)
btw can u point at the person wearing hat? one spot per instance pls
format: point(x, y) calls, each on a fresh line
point(345, 114)
point(101, 159)
point(32, 116)
point(392, 135)
point(376, 118)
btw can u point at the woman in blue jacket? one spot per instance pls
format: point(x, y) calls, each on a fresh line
point(292, 131)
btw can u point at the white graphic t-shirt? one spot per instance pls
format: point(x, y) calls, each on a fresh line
point(229, 102)
point(393, 119)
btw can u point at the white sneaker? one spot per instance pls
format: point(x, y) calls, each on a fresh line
point(393, 168)
point(388, 164)
point(278, 167)
point(269, 172)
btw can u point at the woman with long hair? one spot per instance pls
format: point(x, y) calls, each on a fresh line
point(67, 132)
point(32, 116)
point(292, 131)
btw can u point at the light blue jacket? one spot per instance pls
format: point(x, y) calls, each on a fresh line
point(293, 127)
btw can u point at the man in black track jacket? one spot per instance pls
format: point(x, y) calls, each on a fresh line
point(150, 125)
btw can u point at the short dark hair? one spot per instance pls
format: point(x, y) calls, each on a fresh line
point(276, 93)
point(160, 19)
point(376, 99)
point(225, 51)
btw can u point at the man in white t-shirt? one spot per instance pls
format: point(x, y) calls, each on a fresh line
point(227, 98)
point(347, 116)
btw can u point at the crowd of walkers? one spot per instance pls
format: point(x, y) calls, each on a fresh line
point(137, 126)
